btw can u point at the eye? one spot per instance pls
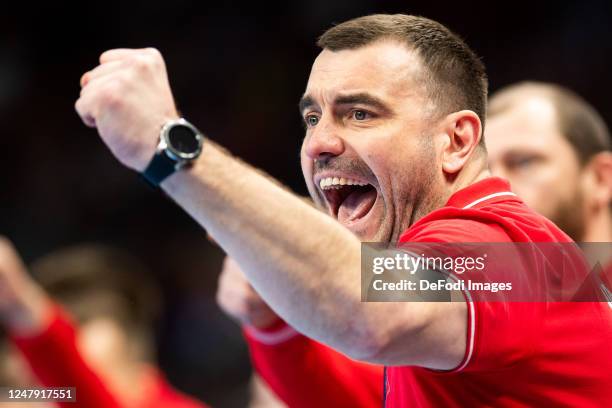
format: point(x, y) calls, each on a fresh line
point(521, 162)
point(524, 162)
point(311, 120)
point(360, 114)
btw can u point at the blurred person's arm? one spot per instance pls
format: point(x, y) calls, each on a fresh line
point(45, 336)
point(301, 371)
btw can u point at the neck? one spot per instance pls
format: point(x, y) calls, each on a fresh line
point(473, 172)
point(595, 241)
point(599, 227)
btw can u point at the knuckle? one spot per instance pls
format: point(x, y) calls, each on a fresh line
point(153, 52)
point(136, 61)
point(143, 62)
point(125, 77)
point(85, 78)
point(110, 95)
point(155, 56)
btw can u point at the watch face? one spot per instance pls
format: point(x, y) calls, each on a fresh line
point(183, 140)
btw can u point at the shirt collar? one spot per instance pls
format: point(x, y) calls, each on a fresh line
point(489, 190)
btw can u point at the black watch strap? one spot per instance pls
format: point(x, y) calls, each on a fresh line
point(160, 167)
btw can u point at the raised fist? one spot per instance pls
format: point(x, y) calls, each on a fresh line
point(128, 99)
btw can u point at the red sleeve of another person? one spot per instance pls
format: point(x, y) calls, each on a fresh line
point(56, 362)
point(305, 373)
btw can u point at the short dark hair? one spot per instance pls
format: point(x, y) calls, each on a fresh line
point(577, 120)
point(456, 78)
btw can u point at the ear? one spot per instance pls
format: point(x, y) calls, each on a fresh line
point(462, 135)
point(598, 180)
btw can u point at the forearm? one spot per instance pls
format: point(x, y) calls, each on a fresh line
point(300, 260)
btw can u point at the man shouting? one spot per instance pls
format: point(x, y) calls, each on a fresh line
point(394, 109)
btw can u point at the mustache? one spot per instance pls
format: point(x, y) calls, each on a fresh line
point(343, 165)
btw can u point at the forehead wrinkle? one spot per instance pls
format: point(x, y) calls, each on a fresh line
point(388, 70)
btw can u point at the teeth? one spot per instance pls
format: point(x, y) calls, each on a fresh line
point(337, 182)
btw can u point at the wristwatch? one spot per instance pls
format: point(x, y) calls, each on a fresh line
point(180, 143)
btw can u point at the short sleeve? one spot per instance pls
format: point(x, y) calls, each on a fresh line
point(500, 333)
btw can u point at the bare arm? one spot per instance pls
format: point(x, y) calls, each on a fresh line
point(276, 232)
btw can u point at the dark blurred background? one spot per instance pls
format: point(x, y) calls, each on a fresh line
point(237, 70)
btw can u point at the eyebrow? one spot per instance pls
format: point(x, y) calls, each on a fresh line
point(364, 98)
point(305, 103)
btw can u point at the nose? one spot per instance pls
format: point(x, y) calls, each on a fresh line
point(323, 141)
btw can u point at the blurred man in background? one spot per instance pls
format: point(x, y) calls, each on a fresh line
point(555, 150)
point(109, 359)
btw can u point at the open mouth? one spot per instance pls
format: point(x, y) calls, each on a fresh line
point(349, 200)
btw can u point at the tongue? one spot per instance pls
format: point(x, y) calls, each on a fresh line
point(356, 205)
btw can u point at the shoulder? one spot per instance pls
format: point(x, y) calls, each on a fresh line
point(455, 225)
point(503, 221)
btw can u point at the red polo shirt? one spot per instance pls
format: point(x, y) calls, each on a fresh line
point(517, 354)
